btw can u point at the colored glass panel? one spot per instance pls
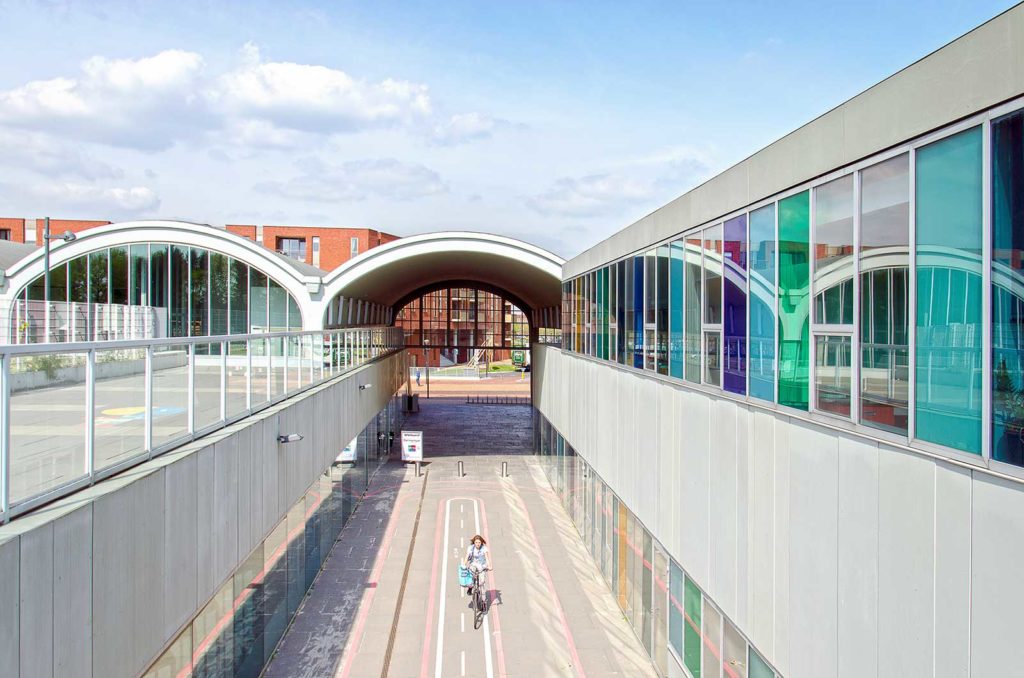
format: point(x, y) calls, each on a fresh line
point(948, 250)
point(762, 303)
point(713, 275)
point(675, 350)
point(758, 667)
point(675, 608)
point(178, 297)
point(692, 628)
point(794, 281)
point(734, 305)
point(199, 325)
point(1007, 283)
point(692, 309)
point(661, 356)
point(832, 374)
point(833, 252)
point(620, 312)
point(638, 315)
point(885, 266)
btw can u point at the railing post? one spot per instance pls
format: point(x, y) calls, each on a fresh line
point(267, 348)
point(148, 404)
point(248, 375)
point(191, 388)
point(90, 414)
point(5, 438)
point(224, 381)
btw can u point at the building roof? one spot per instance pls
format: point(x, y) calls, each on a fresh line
point(300, 266)
point(13, 252)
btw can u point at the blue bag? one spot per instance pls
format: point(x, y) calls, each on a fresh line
point(465, 577)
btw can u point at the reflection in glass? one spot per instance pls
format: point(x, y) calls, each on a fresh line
point(734, 315)
point(650, 309)
point(884, 265)
point(218, 294)
point(713, 358)
point(832, 374)
point(1007, 289)
point(713, 275)
point(692, 308)
point(662, 315)
point(179, 291)
point(675, 344)
point(734, 653)
point(238, 276)
point(712, 657)
point(119, 406)
point(794, 281)
point(621, 315)
point(948, 339)
point(170, 393)
point(675, 608)
point(638, 316)
point(762, 303)
point(833, 252)
point(692, 628)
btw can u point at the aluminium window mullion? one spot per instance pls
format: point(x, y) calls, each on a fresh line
point(812, 358)
point(986, 291)
point(912, 299)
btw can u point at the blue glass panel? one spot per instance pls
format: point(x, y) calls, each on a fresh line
point(675, 353)
point(734, 310)
point(762, 303)
point(638, 315)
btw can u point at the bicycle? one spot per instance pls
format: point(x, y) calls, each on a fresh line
point(479, 601)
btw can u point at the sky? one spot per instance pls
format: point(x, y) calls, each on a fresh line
point(558, 123)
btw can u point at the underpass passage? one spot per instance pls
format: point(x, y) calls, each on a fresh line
point(549, 612)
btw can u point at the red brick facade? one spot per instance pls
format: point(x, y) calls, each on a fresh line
point(58, 226)
point(15, 229)
point(335, 243)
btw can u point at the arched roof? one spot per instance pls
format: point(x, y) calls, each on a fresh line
point(296, 277)
point(392, 273)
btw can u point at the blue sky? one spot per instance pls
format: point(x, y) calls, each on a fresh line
point(555, 122)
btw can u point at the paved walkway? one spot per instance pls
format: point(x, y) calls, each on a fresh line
point(550, 612)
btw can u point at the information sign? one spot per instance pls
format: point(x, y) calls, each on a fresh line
point(412, 445)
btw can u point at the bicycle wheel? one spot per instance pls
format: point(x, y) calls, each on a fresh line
point(478, 608)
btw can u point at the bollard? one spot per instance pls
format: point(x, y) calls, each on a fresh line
point(417, 469)
point(461, 474)
point(504, 469)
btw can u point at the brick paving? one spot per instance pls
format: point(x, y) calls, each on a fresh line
point(550, 612)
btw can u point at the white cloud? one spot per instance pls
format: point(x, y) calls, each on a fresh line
point(143, 103)
point(643, 180)
point(154, 102)
point(315, 98)
point(45, 155)
point(358, 180)
point(95, 200)
point(465, 127)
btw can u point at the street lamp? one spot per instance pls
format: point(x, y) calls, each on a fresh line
point(67, 236)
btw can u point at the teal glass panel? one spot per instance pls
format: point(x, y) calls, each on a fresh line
point(661, 352)
point(675, 608)
point(948, 315)
point(762, 303)
point(675, 311)
point(608, 292)
point(692, 628)
point(602, 339)
point(1007, 286)
point(758, 667)
point(692, 307)
point(794, 281)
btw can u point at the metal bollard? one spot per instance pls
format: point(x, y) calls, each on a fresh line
point(417, 469)
point(504, 469)
point(461, 474)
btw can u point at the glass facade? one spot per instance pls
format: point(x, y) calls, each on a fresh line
point(670, 614)
point(152, 290)
point(236, 632)
point(870, 295)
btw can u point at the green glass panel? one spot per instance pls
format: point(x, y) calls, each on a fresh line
point(675, 351)
point(794, 280)
point(691, 628)
point(948, 341)
point(758, 667)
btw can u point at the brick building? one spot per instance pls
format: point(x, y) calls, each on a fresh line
point(323, 247)
point(31, 230)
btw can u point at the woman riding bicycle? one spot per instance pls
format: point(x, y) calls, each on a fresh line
point(478, 558)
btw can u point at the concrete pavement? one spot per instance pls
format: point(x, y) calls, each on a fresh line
point(550, 612)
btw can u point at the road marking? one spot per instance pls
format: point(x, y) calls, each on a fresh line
point(462, 621)
point(462, 663)
point(487, 626)
point(441, 607)
point(462, 524)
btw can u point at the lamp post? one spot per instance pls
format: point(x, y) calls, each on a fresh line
point(67, 236)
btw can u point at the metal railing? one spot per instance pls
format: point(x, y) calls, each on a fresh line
point(74, 413)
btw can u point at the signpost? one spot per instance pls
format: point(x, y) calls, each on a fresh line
point(412, 445)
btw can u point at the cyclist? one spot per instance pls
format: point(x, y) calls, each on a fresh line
point(478, 558)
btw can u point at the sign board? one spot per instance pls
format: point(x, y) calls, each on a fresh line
point(349, 453)
point(518, 358)
point(412, 445)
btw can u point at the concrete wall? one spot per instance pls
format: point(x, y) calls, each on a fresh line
point(836, 555)
point(97, 583)
point(975, 72)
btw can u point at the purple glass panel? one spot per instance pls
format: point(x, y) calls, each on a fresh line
point(734, 310)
